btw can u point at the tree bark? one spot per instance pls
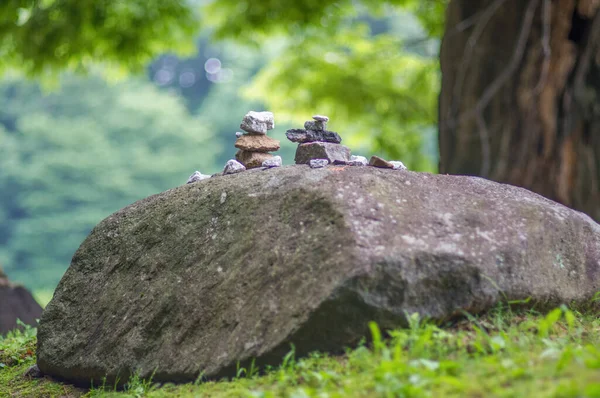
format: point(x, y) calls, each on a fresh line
point(520, 100)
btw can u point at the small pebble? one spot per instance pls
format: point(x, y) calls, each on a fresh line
point(321, 118)
point(318, 163)
point(376, 161)
point(33, 372)
point(238, 134)
point(315, 125)
point(197, 176)
point(275, 161)
point(358, 161)
point(398, 165)
point(233, 166)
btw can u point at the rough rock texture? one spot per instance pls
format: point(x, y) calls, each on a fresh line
point(257, 143)
point(258, 122)
point(321, 150)
point(318, 163)
point(236, 267)
point(252, 160)
point(16, 303)
point(302, 136)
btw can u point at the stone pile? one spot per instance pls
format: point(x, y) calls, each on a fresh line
point(315, 142)
point(254, 145)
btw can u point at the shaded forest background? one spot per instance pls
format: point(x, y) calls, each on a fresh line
point(78, 143)
point(103, 103)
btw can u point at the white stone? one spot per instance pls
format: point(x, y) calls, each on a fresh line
point(258, 122)
point(321, 118)
point(197, 176)
point(238, 134)
point(275, 161)
point(358, 161)
point(318, 163)
point(233, 166)
point(398, 165)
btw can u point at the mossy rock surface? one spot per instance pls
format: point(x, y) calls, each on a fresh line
point(196, 279)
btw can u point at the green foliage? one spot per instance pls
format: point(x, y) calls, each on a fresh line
point(499, 354)
point(38, 36)
point(68, 159)
point(248, 20)
point(18, 346)
point(381, 98)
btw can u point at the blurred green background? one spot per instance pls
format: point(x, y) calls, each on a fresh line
point(84, 135)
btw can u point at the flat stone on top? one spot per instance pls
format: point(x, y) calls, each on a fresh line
point(257, 143)
point(321, 118)
point(321, 150)
point(302, 136)
point(258, 122)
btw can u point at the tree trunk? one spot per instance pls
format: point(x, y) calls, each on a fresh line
point(520, 99)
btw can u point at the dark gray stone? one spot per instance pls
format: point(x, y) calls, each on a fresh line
point(202, 276)
point(321, 150)
point(303, 136)
point(16, 303)
point(315, 125)
point(33, 373)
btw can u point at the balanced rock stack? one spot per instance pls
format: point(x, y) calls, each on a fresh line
point(254, 145)
point(317, 143)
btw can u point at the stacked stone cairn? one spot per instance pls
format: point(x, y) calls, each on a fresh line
point(254, 145)
point(318, 146)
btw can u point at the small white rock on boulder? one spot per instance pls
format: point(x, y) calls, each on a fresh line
point(197, 176)
point(275, 161)
point(233, 166)
point(398, 165)
point(358, 161)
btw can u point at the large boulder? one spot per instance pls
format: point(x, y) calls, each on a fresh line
point(16, 303)
point(237, 267)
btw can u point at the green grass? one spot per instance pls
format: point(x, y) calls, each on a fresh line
point(501, 354)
